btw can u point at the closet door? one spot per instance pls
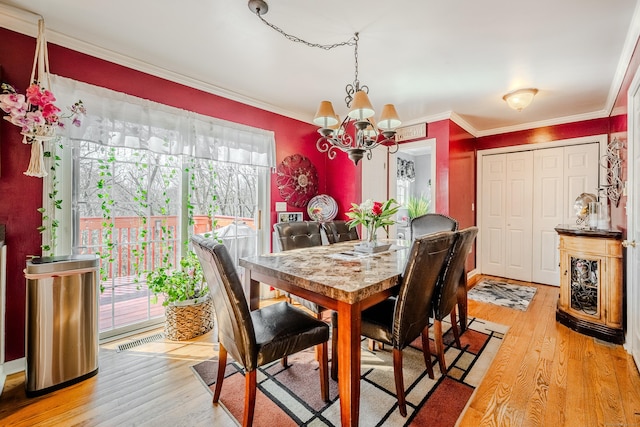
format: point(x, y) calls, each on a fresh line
point(561, 174)
point(548, 212)
point(518, 215)
point(581, 166)
point(494, 172)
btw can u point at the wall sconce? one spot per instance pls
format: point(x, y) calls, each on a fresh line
point(520, 99)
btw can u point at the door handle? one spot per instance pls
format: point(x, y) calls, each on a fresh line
point(627, 243)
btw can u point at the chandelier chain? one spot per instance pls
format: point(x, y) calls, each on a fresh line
point(352, 41)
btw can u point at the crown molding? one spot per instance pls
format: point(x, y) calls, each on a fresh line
point(550, 122)
point(25, 22)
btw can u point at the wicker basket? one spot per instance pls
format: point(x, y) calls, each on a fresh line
point(184, 322)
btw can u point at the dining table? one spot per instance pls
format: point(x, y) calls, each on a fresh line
point(338, 278)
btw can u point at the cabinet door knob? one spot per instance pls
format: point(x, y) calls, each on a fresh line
point(629, 243)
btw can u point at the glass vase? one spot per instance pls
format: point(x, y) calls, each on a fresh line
point(372, 237)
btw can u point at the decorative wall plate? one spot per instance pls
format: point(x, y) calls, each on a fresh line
point(297, 180)
point(322, 208)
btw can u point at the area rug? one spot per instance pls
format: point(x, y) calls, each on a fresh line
point(517, 297)
point(291, 396)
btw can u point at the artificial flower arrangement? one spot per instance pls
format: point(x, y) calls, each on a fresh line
point(38, 117)
point(35, 112)
point(372, 215)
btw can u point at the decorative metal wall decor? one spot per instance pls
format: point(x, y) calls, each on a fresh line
point(406, 170)
point(297, 180)
point(612, 162)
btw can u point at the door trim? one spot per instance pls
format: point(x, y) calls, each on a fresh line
point(633, 282)
point(600, 139)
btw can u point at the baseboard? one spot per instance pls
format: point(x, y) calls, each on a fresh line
point(472, 277)
point(9, 368)
point(14, 366)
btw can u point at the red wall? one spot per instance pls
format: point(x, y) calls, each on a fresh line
point(21, 196)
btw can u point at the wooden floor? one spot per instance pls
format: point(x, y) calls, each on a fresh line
point(544, 375)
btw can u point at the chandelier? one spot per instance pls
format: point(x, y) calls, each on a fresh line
point(358, 133)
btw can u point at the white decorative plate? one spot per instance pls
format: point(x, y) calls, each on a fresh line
point(322, 208)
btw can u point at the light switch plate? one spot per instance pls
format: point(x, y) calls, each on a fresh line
point(281, 206)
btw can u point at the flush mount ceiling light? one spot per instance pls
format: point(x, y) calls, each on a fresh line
point(520, 99)
point(358, 133)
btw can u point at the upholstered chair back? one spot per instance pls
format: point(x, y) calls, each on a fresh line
point(446, 295)
point(431, 223)
point(296, 235)
point(338, 231)
point(426, 261)
point(235, 327)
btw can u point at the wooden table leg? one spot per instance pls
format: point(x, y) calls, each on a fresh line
point(349, 327)
point(251, 290)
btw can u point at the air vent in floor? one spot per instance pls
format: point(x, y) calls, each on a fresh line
point(144, 340)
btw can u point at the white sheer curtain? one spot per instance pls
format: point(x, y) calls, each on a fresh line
point(121, 120)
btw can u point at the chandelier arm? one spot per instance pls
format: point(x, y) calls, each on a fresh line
point(325, 145)
point(296, 39)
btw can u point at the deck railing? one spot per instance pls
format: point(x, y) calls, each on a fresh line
point(125, 299)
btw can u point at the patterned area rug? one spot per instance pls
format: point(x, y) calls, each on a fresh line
point(505, 294)
point(291, 396)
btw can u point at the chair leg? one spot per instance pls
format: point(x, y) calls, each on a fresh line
point(454, 327)
point(462, 301)
point(426, 352)
point(324, 370)
point(334, 349)
point(250, 383)
point(222, 365)
point(317, 350)
point(285, 362)
point(437, 330)
point(397, 372)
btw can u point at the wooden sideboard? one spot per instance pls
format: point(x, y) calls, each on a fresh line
point(591, 290)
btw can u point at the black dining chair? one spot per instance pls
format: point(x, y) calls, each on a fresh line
point(431, 223)
point(338, 231)
point(445, 298)
point(399, 320)
point(297, 235)
point(254, 338)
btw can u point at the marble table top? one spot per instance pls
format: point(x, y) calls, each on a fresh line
point(334, 270)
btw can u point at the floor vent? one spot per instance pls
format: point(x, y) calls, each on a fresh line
point(135, 343)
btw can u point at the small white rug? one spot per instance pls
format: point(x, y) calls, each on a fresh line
point(508, 295)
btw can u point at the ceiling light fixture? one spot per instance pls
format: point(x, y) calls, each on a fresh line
point(520, 99)
point(357, 134)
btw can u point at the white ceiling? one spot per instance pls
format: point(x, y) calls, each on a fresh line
point(431, 58)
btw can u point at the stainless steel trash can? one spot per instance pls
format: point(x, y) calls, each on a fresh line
point(61, 322)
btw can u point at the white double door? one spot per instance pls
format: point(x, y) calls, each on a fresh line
point(524, 196)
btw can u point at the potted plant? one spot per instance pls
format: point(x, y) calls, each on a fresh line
point(417, 206)
point(188, 306)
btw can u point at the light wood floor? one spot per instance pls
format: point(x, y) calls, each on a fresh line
point(544, 374)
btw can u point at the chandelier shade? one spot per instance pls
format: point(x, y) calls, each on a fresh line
point(326, 116)
point(361, 107)
point(389, 118)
